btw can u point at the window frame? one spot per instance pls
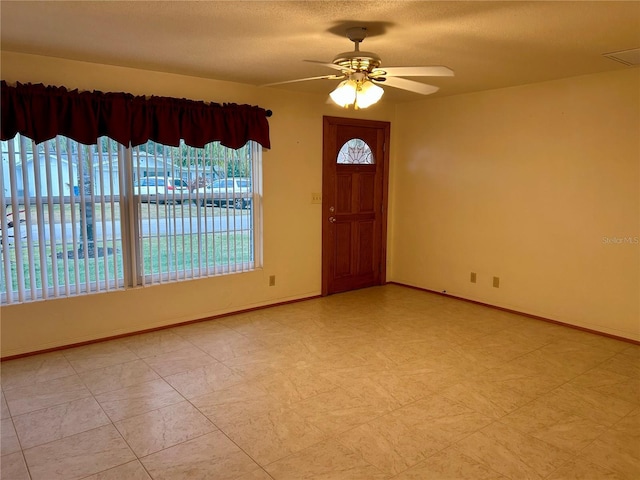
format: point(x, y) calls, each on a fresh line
point(129, 203)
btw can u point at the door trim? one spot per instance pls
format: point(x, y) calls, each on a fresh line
point(328, 147)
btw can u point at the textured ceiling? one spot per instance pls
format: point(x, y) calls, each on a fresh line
point(488, 44)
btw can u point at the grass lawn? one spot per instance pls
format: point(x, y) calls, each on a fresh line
point(147, 210)
point(175, 256)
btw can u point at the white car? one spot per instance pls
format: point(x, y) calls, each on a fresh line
point(161, 190)
point(234, 191)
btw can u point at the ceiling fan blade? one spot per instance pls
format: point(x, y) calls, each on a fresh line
point(323, 77)
point(432, 71)
point(330, 65)
point(410, 85)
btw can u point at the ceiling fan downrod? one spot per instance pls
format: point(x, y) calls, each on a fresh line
point(356, 60)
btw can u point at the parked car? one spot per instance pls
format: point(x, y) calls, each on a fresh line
point(226, 191)
point(161, 190)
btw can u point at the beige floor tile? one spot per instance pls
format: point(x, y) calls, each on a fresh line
point(178, 361)
point(592, 340)
point(407, 350)
point(236, 404)
point(137, 399)
point(631, 350)
point(451, 358)
point(587, 403)
point(565, 359)
point(255, 475)
point(118, 376)
point(228, 346)
point(388, 388)
point(523, 381)
point(384, 385)
point(610, 383)
point(336, 361)
point(486, 397)
point(398, 440)
point(630, 424)
point(618, 449)
point(128, 471)
point(209, 329)
point(163, 428)
point(578, 469)
point(578, 355)
point(614, 454)
point(338, 410)
point(203, 380)
point(59, 421)
point(212, 456)
point(273, 436)
point(277, 340)
point(78, 456)
point(270, 360)
point(623, 364)
point(391, 447)
point(98, 355)
point(494, 349)
point(449, 464)
point(294, 384)
point(13, 467)
point(532, 332)
point(256, 324)
point(45, 394)
point(435, 378)
point(155, 343)
point(557, 427)
point(376, 383)
point(326, 460)
point(515, 455)
point(4, 409)
point(29, 370)
point(8, 439)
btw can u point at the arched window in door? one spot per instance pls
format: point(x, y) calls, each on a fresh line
point(356, 152)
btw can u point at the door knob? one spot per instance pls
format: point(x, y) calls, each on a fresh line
point(332, 219)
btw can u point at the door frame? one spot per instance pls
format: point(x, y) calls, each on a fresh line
point(328, 161)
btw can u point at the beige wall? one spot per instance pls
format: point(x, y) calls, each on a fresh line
point(292, 170)
point(525, 184)
point(522, 183)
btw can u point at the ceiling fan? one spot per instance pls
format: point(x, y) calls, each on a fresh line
point(361, 73)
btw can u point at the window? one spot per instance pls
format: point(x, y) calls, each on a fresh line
point(355, 151)
point(77, 219)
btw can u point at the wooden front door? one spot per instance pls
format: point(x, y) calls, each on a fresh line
point(354, 201)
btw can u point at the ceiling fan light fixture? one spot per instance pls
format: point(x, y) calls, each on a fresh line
point(368, 94)
point(359, 92)
point(345, 93)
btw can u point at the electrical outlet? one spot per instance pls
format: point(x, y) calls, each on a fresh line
point(496, 282)
point(272, 280)
point(316, 197)
point(472, 277)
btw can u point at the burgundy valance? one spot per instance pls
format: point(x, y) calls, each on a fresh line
point(42, 112)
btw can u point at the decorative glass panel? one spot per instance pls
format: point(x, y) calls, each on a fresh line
point(356, 151)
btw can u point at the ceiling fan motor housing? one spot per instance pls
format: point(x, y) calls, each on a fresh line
point(358, 61)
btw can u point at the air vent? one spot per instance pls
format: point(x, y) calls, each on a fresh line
point(628, 57)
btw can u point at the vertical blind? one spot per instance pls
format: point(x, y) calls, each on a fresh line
point(79, 219)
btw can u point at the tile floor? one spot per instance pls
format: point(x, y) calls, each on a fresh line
point(382, 383)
